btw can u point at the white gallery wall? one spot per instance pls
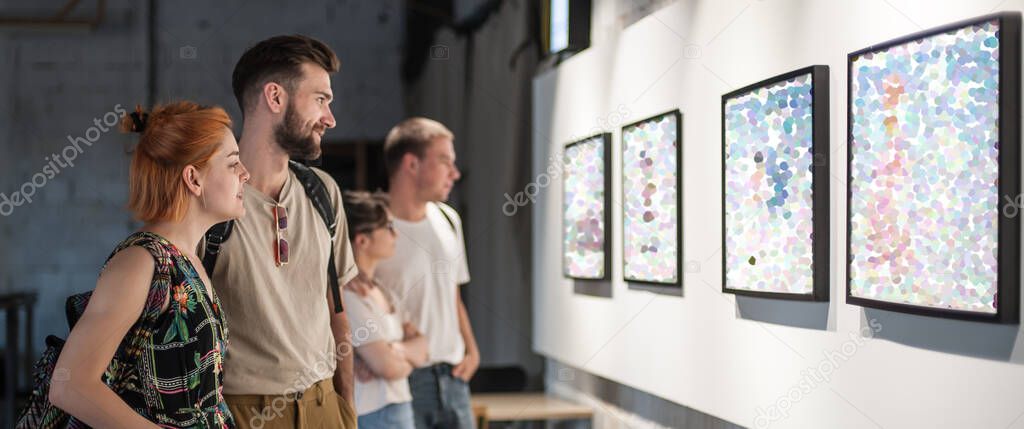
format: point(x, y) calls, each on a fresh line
point(755, 362)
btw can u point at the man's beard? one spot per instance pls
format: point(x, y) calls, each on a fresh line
point(291, 139)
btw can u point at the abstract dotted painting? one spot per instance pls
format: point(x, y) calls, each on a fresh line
point(587, 180)
point(651, 205)
point(934, 172)
point(775, 186)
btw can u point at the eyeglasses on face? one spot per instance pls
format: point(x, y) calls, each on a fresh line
point(389, 225)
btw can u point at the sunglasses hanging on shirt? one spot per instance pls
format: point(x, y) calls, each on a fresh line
point(280, 245)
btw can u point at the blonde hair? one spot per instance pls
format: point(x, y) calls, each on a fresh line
point(412, 135)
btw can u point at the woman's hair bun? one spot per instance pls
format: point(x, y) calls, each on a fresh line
point(136, 121)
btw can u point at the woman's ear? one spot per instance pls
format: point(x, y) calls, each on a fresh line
point(193, 181)
point(360, 241)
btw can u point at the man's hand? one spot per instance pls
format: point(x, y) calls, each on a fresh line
point(471, 362)
point(465, 369)
point(362, 370)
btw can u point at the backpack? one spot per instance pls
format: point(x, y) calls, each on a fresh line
point(39, 413)
point(317, 193)
point(444, 212)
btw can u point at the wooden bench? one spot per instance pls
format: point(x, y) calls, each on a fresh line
point(517, 407)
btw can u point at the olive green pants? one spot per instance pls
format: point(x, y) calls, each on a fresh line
point(318, 407)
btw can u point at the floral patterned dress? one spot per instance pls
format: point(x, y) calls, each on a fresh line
point(175, 371)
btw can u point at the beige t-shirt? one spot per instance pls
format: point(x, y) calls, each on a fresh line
point(280, 317)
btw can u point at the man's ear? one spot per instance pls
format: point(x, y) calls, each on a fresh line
point(275, 96)
point(411, 162)
point(193, 180)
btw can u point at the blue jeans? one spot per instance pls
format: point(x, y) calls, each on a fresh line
point(440, 400)
point(397, 416)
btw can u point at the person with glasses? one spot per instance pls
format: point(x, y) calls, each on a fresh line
point(391, 346)
point(148, 350)
point(289, 364)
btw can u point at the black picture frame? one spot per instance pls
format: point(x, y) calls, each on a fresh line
point(819, 187)
point(1008, 258)
point(679, 200)
point(606, 142)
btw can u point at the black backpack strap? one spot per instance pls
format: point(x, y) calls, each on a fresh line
point(447, 217)
point(215, 236)
point(317, 193)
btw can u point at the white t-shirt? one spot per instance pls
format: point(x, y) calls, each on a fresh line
point(424, 277)
point(369, 323)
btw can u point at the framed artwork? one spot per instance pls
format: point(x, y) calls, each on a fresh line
point(933, 222)
point(775, 187)
point(586, 249)
point(651, 204)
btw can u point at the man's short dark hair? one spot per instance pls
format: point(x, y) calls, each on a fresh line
point(365, 211)
point(277, 59)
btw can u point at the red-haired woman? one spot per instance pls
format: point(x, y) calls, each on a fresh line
point(153, 310)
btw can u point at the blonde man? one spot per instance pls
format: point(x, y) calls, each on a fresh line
point(428, 268)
